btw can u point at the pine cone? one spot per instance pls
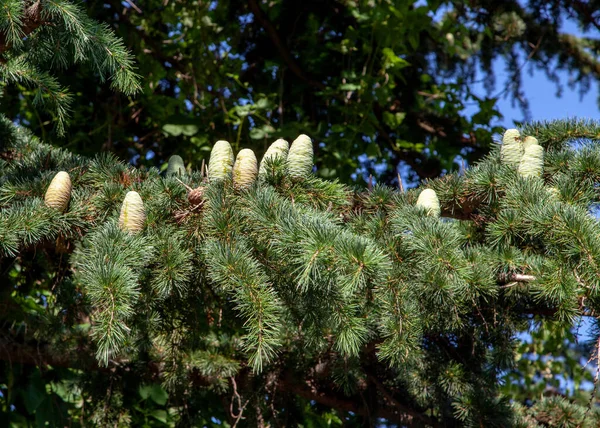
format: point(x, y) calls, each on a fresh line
point(133, 214)
point(279, 148)
point(300, 158)
point(528, 141)
point(59, 192)
point(196, 196)
point(512, 148)
point(221, 161)
point(428, 199)
point(244, 170)
point(176, 166)
point(532, 162)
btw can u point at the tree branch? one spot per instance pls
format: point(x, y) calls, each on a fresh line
point(398, 413)
point(32, 20)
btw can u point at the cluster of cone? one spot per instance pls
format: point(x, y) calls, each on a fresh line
point(525, 154)
point(132, 215)
point(244, 171)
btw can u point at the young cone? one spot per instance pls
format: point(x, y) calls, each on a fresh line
point(133, 214)
point(221, 161)
point(59, 192)
point(176, 166)
point(279, 149)
point(428, 199)
point(300, 158)
point(532, 162)
point(529, 141)
point(245, 169)
point(512, 148)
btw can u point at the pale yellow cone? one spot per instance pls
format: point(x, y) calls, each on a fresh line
point(133, 214)
point(532, 162)
point(512, 148)
point(220, 164)
point(428, 199)
point(300, 158)
point(245, 169)
point(279, 149)
point(59, 192)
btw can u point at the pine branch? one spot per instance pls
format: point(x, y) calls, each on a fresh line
point(65, 35)
point(18, 22)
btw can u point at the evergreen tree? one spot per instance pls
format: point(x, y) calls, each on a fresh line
point(191, 300)
point(247, 294)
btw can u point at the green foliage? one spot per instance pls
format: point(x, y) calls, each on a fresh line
point(42, 36)
point(227, 308)
point(379, 84)
point(293, 302)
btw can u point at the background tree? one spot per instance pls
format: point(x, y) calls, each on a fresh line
point(213, 316)
point(385, 79)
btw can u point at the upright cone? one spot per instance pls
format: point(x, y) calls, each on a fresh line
point(221, 161)
point(176, 166)
point(528, 141)
point(428, 199)
point(59, 192)
point(244, 169)
point(279, 149)
point(133, 214)
point(512, 148)
point(532, 162)
point(300, 158)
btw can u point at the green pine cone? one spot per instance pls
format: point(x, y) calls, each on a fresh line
point(300, 158)
point(279, 148)
point(532, 162)
point(512, 148)
point(245, 169)
point(176, 166)
point(59, 192)
point(133, 214)
point(221, 161)
point(428, 199)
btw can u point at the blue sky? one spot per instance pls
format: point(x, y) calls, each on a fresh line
point(541, 93)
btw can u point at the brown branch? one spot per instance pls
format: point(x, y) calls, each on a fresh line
point(398, 414)
point(32, 20)
point(586, 11)
point(410, 413)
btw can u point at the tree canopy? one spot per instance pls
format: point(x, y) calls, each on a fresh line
point(132, 297)
point(377, 84)
point(232, 292)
